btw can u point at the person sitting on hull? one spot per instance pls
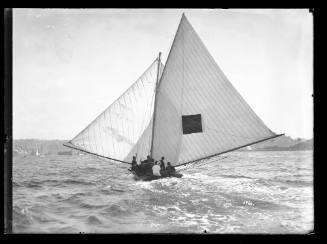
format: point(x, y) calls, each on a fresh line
point(170, 169)
point(156, 170)
point(162, 167)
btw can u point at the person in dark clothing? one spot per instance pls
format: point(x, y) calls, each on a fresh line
point(146, 166)
point(135, 167)
point(162, 163)
point(170, 169)
point(134, 163)
point(162, 167)
point(140, 167)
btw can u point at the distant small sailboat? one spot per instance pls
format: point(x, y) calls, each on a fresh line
point(186, 111)
point(37, 152)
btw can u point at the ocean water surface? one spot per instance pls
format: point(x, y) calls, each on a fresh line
point(240, 192)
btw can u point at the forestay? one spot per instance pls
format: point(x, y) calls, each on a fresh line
point(125, 127)
point(198, 111)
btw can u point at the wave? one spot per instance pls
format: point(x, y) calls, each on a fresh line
point(77, 182)
point(118, 190)
point(299, 183)
point(15, 184)
point(33, 184)
point(25, 220)
point(292, 182)
point(91, 168)
point(106, 191)
point(57, 196)
point(116, 210)
point(65, 229)
point(285, 182)
point(21, 217)
point(90, 206)
point(111, 191)
point(264, 182)
point(93, 220)
point(40, 183)
point(43, 219)
point(238, 200)
point(235, 176)
point(75, 197)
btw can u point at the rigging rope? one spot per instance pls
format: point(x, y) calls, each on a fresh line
point(200, 163)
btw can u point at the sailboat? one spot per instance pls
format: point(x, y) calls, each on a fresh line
point(186, 110)
point(37, 152)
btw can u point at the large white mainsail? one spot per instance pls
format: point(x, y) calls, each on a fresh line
point(125, 127)
point(198, 112)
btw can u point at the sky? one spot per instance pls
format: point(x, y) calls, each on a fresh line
point(69, 65)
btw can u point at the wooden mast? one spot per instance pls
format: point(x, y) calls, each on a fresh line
point(155, 103)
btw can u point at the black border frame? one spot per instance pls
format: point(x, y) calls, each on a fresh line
point(8, 120)
point(227, 237)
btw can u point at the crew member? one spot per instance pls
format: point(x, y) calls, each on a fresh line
point(135, 166)
point(156, 170)
point(162, 166)
point(147, 165)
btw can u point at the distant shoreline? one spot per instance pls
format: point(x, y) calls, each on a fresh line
point(55, 147)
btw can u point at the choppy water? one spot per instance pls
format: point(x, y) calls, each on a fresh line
point(247, 192)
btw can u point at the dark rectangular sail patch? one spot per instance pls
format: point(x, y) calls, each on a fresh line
point(191, 123)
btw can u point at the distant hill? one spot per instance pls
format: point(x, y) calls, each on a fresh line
point(44, 147)
point(305, 145)
point(284, 143)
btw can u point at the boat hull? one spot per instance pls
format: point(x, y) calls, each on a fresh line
point(153, 177)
